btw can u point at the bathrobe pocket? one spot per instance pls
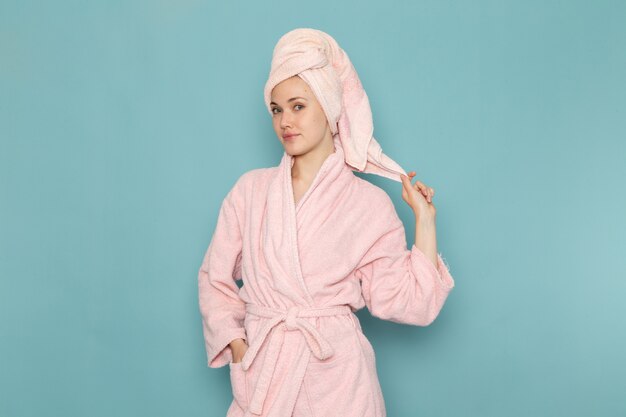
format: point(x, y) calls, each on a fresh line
point(239, 384)
point(340, 385)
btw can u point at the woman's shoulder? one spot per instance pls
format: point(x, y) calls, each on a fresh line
point(378, 208)
point(253, 178)
point(372, 194)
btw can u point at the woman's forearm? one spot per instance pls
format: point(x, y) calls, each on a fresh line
point(426, 238)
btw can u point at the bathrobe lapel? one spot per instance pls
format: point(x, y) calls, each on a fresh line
point(286, 224)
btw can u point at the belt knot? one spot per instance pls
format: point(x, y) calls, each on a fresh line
point(294, 320)
point(290, 318)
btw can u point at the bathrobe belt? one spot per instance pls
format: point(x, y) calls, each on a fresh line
point(279, 322)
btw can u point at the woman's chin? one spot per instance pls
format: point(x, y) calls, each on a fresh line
point(292, 149)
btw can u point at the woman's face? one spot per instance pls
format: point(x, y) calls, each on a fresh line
point(295, 110)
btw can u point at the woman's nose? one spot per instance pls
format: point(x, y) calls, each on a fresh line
point(285, 120)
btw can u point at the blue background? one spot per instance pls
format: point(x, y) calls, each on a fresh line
point(123, 124)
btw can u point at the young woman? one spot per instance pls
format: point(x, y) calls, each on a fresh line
point(313, 243)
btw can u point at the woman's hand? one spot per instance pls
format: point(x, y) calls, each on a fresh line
point(239, 348)
point(419, 197)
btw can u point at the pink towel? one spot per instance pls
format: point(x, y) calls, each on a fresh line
point(316, 57)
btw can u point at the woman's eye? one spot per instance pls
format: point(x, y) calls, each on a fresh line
point(276, 108)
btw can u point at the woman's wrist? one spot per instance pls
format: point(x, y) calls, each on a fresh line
point(237, 342)
point(424, 221)
point(426, 237)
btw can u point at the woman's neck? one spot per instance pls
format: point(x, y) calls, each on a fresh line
point(306, 166)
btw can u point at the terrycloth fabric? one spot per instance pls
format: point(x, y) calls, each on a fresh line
point(316, 57)
point(306, 268)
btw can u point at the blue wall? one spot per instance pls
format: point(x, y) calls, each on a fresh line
point(124, 123)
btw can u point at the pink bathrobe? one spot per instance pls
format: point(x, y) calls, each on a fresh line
point(306, 268)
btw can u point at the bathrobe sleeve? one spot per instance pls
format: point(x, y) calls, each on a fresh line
point(399, 284)
point(221, 307)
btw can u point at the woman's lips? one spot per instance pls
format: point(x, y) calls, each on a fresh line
point(289, 137)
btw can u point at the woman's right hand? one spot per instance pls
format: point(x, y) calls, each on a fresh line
point(239, 348)
point(419, 197)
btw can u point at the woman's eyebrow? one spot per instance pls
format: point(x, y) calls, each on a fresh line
point(291, 99)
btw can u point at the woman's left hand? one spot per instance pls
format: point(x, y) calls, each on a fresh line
point(419, 197)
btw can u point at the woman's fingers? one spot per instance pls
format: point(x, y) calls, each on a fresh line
point(406, 184)
point(427, 192)
point(406, 181)
point(421, 187)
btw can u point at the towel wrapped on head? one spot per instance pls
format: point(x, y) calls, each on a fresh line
point(316, 57)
